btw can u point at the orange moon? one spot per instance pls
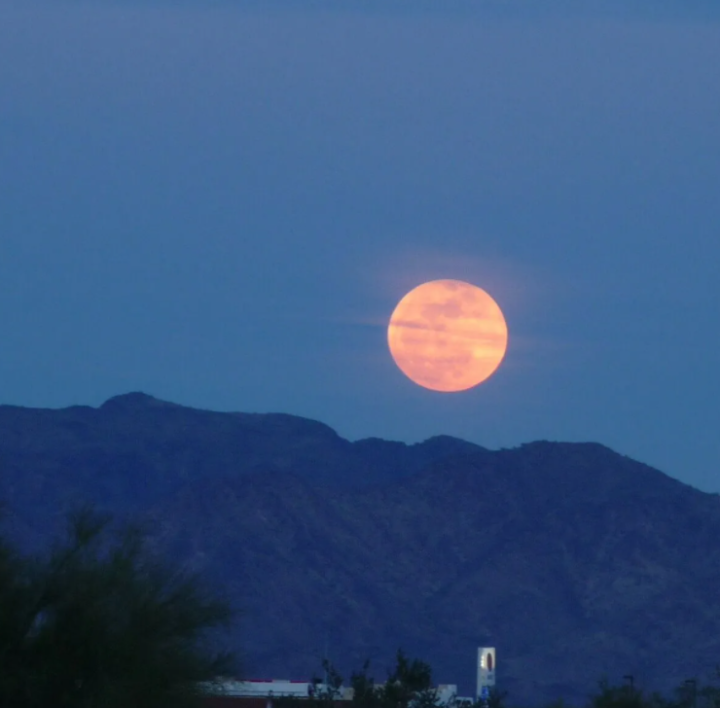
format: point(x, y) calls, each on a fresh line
point(447, 335)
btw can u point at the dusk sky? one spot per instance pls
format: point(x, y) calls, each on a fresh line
point(220, 204)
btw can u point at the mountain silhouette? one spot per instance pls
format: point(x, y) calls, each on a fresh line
point(574, 561)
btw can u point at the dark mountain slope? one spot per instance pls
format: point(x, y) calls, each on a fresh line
point(600, 568)
point(574, 561)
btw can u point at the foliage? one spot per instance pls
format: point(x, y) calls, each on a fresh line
point(409, 684)
point(613, 696)
point(325, 691)
point(693, 694)
point(102, 622)
point(365, 694)
point(628, 696)
point(496, 698)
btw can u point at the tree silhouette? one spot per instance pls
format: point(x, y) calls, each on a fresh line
point(408, 684)
point(103, 622)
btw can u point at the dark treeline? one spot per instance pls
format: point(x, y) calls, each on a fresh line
point(409, 685)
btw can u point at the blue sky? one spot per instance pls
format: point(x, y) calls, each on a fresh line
point(220, 204)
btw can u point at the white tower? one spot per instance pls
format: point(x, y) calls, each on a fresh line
point(485, 672)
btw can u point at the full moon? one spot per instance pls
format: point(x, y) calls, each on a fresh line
point(447, 335)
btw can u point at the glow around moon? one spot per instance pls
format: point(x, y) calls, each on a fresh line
point(447, 335)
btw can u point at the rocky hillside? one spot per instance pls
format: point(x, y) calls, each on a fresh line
point(572, 560)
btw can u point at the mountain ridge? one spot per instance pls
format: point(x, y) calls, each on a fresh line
point(570, 558)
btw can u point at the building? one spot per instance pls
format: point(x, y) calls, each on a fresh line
point(259, 693)
point(485, 673)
